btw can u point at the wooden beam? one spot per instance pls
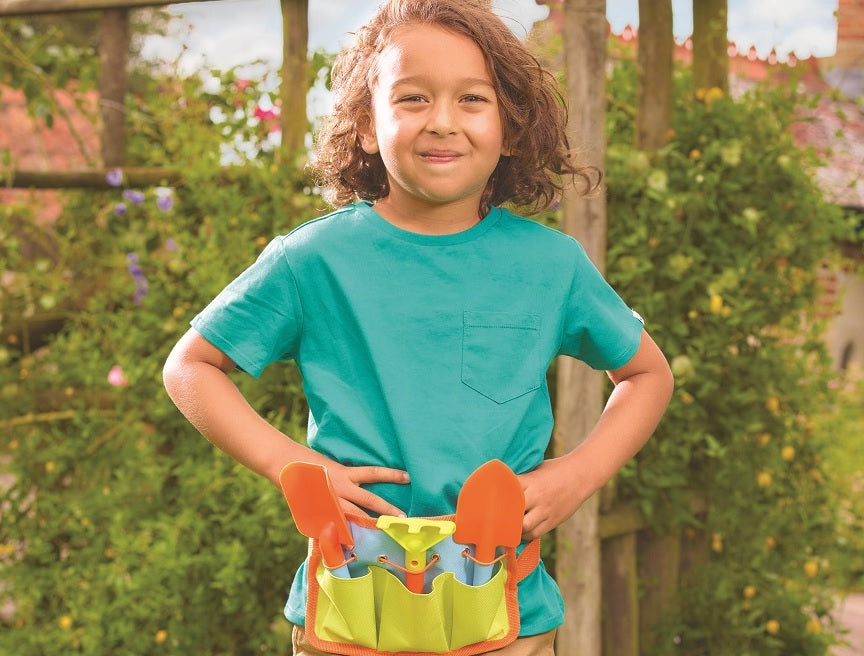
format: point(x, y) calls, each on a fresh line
point(88, 179)
point(580, 389)
point(113, 55)
point(29, 7)
point(710, 56)
point(623, 519)
point(655, 65)
point(295, 75)
point(620, 597)
point(659, 575)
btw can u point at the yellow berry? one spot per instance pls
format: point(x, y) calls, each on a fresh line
point(717, 542)
point(65, 622)
point(749, 591)
point(712, 94)
point(764, 479)
point(772, 627)
point(715, 304)
point(788, 453)
point(813, 626)
point(811, 568)
point(161, 636)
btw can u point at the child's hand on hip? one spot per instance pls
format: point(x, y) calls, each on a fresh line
point(551, 496)
point(346, 483)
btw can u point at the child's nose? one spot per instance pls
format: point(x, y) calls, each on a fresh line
point(442, 119)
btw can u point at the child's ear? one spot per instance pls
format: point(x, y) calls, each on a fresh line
point(366, 133)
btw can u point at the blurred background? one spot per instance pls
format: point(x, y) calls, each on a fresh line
point(148, 152)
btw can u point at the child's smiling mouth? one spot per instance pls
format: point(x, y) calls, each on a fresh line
point(440, 156)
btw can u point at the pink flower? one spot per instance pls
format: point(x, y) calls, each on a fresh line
point(265, 114)
point(116, 377)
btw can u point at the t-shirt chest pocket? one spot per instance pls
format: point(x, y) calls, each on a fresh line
point(500, 354)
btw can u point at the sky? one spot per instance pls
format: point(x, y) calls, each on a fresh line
point(227, 33)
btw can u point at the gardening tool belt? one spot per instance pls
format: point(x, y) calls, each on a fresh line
point(371, 611)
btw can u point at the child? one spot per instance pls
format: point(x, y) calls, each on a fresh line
point(424, 317)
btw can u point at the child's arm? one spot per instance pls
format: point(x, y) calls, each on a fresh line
point(556, 489)
point(195, 376)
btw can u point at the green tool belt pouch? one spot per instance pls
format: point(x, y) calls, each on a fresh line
point(372, 612)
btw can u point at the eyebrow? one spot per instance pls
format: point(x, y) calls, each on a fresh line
point(467, 81)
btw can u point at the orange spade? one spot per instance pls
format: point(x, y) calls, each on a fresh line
point(489, 512)
point(317, 513)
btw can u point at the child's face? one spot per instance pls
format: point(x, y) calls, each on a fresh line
point(435, 119)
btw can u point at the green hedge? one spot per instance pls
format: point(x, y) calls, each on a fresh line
point(718, 239)
point(124, 531)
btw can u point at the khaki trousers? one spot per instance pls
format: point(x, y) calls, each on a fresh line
point(537, 645)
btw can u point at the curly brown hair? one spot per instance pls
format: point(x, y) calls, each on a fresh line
point(534, 113)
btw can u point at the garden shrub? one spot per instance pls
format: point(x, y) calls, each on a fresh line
point(718, 239)
point(123, 531)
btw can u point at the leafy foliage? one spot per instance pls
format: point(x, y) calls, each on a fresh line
point(123, 530)
point(719, 238)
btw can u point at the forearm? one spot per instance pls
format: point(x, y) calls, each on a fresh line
point(631, 415)
point(556, 489)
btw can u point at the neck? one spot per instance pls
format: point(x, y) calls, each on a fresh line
point(427, 219)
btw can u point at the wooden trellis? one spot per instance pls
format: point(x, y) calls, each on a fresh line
point(113, 55)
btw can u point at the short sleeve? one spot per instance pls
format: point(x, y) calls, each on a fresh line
point(257, 318)
point(598, 327)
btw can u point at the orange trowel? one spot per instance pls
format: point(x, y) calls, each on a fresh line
point(489, 513)
point(317, 513)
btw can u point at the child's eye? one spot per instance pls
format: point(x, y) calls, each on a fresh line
point(471, 98)
point(411, 99)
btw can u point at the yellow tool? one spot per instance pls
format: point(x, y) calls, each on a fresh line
point(416, 536)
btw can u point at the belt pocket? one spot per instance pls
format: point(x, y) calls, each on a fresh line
point(378, 612)
point(500, 354)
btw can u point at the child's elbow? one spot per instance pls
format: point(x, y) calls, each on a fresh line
point(174, 372)
point(666, 382)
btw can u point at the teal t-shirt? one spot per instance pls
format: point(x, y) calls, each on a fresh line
point(426, 353)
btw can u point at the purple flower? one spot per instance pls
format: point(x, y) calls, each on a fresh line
point(141, 287)
point(164, 198)
point(138, 295)
point(171, 245)
point(120, 209)
point(114, 177)
point(133, 196)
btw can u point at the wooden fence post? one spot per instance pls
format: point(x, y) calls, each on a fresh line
point(620, 596)
point(580, 390)
point(113, 55)
point(659, 568)
point(295, 75)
